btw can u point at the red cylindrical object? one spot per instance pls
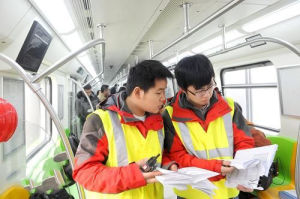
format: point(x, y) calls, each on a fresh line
point(8, 120)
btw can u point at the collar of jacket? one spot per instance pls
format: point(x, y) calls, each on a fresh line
point(117, 104)
point(182, 112)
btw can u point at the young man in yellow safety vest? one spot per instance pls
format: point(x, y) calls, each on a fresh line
point(118, 138)
point(203, 129)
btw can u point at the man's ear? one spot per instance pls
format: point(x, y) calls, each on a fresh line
point(138, 92)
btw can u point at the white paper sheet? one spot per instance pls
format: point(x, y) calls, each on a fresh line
point(250, 164)
point(193, 176)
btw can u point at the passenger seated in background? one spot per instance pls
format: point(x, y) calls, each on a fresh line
point(118, 139)
point(202, 128)
point(82, 106)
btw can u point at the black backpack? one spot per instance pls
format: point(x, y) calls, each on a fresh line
point(61, 194)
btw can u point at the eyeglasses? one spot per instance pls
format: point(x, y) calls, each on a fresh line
point(202, 92)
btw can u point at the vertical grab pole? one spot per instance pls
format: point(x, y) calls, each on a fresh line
point(150, 42)
point(82, 89)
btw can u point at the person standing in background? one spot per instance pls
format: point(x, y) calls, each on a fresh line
point(82, 106)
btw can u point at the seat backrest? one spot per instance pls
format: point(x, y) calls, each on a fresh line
point(286, 157)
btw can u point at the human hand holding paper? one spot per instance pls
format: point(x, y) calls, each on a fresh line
point(195, 177)
point(250, 164)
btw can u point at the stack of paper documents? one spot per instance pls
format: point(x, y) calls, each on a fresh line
point(250, 164)
point(193, 176)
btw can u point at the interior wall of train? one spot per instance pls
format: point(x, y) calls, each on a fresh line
point(137, 30)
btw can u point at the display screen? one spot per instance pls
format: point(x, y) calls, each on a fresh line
point(34, 48)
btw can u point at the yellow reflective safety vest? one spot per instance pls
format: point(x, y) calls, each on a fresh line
point(126, 144)
point(215, 143)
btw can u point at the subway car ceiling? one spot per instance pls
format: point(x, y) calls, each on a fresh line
point(136, 30)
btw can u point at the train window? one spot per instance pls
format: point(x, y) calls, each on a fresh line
point(39, 134)
point(265, 74)
point(13, 152)
point(254, 87)
point(10, 88)
point(235, 77)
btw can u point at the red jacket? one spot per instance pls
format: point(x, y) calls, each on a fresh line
point(90, 170)
point(218, 107)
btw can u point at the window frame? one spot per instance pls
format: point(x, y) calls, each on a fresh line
point(248, 86)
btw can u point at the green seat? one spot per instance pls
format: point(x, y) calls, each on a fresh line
point(286, 157)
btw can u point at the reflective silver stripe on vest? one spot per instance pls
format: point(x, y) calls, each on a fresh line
point(120, 142)
point(213, 153)
point(228, 127)
point(187, 140)
point(161, 142)
point(161, 139)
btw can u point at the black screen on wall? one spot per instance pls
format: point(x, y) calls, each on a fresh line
point(34, 48)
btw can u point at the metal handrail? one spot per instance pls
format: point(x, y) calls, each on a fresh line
point(288, 45)
point(92, 79)
point(82, 89)
point(206, 21)
point(29, 80)
point(49, 108)
point(65, 59)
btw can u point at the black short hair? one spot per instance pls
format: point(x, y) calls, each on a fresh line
point(104, 87)
point(145, 73)
point(195, 70)
point(122, 88)
point(113, 90)
point(87, 87)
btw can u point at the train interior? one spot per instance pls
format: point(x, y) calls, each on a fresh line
point(254, 46)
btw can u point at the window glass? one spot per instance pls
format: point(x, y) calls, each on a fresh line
point(35, 122)
point(38, 121)
point(11, 87)
point(12, 152)
point(235, 77)
point(266, 74)
point(260, 104)
point(239, 96)
point(265, 107)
